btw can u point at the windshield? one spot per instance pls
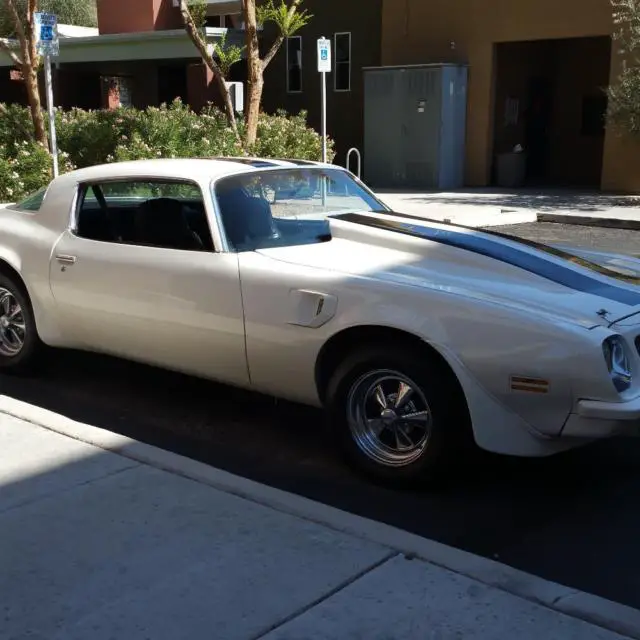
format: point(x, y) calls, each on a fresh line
point(287, 207)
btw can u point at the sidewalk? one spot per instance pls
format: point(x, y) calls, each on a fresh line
point(103, 537)
point(487, 206)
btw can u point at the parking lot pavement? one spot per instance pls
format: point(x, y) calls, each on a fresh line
point(601, 239)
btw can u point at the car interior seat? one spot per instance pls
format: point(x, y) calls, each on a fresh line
point(161, 222)
point(247, 219)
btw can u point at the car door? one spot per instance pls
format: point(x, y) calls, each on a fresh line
point(157, 300)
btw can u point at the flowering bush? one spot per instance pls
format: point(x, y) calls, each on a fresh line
point(88, 138)
point(24, 168)
point(284, 136)
point(175, 131)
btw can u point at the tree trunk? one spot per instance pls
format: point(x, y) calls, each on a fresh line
point(35, 105)
point(256, 75)
point(201, 45)
point(28, 62)
point(228, 103)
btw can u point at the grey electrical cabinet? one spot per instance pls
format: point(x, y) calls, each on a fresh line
point(415, 124)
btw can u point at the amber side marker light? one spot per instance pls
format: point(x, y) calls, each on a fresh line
point(529, 385)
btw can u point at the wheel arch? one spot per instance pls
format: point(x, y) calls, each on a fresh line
point(353, 339)
point(10, 271)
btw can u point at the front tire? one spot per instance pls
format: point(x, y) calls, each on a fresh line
point(20, 345)
point(400, 417)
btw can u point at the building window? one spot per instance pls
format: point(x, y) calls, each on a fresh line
point(342, 71)
point(216, 22)
point(294, 64)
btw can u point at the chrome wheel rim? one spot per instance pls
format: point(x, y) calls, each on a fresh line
point(12, 324)
point(389, 418)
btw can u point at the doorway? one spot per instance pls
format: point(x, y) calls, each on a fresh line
point(551, 102)
point(172, 83)
point(538, 122)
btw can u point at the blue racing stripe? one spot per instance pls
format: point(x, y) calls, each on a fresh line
point(540, 265)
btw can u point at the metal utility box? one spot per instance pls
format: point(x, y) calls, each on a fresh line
point(415, 125)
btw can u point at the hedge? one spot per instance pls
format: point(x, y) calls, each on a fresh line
point(87, 138)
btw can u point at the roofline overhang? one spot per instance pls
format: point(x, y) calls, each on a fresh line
point(143, 45)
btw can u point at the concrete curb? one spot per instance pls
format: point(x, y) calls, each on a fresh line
point(593, 609)
point(590, 221)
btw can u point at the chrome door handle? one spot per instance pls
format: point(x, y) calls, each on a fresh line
point(65, 259)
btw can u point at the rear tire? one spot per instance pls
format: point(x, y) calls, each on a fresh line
point(399, 416)
point(20, 345)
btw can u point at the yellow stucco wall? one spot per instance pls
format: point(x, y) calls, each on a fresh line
point(418, 31)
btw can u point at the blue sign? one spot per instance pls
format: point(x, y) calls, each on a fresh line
point(324, 55)
point(46, 28)
point(46, 33)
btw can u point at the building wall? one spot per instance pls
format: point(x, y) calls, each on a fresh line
point(129, 16)
point(345, 110)
point(416, 31)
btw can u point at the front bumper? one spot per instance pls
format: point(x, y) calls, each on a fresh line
point(594, 419)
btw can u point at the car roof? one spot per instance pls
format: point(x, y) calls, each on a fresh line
point(182, 168)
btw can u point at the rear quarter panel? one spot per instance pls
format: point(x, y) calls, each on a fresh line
point(27, 240)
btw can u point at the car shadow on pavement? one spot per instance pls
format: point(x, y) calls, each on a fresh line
point(288, 446)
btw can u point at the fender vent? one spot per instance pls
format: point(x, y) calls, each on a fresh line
point(638, 344)
point(311, 309)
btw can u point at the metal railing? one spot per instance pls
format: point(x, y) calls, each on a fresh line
point(358, 157)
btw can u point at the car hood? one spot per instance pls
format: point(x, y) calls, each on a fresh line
point(580, 286)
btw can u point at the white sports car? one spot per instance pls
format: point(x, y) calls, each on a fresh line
point(292, 279)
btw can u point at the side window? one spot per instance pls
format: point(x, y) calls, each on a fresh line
point(152, 213)
point(294, 64)
point(342, 72)
point(32, 202)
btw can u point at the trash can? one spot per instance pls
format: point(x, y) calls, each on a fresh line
point(511, 169)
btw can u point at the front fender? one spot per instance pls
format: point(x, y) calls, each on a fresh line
point(489, 342)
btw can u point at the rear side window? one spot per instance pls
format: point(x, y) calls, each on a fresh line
point(32, 202)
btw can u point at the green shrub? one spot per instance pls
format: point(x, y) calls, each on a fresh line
point(15, 124)
point(87, 138)
point(175, 131)
point(90, 137)
point(25, 167)
point(284, 136)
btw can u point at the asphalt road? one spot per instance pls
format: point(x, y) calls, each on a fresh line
point(601, 239)
point(573, 518)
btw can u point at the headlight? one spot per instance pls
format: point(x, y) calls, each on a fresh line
point(618, 361)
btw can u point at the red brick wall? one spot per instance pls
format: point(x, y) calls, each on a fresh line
point(166, 16)
point(201, 87)
point(129, 16)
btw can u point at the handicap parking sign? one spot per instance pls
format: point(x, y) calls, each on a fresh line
point(46, 28)
point(46, 33)
point(324, 55)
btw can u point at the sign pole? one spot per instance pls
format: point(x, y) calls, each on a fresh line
point(48, 45)
point(323, 76)
point(324, 67)
point(48, 79)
